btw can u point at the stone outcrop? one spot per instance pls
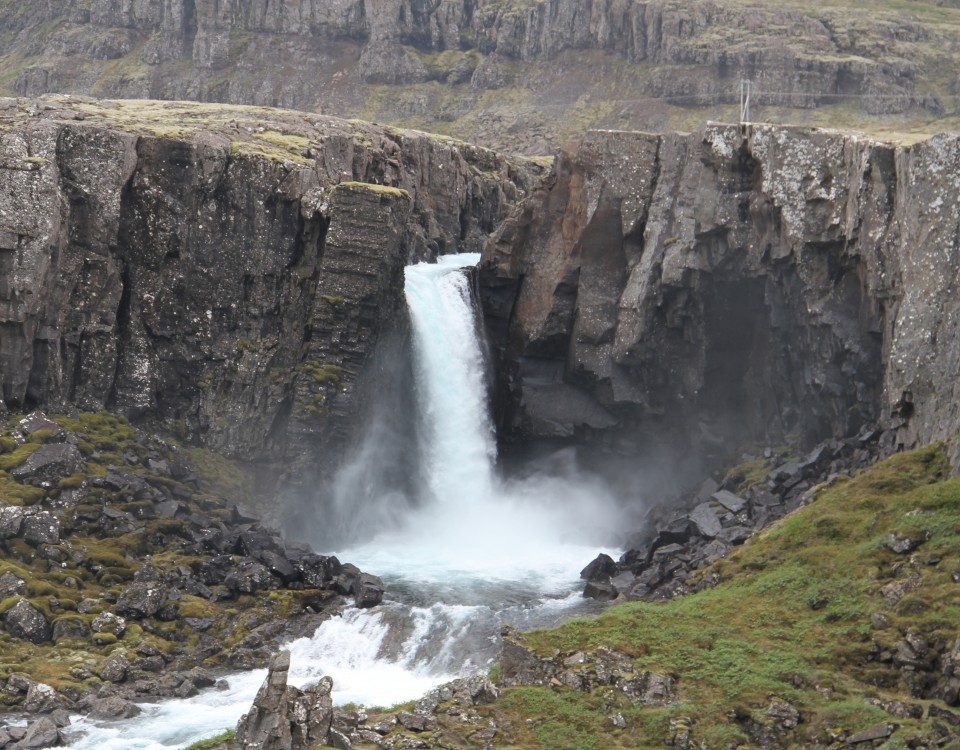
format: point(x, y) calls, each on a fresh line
point(698, 290)
point(313, 54)
point(283, 717)
point(226, 287)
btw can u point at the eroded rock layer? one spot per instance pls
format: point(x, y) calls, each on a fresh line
point(722, 286)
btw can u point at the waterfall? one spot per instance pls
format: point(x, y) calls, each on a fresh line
point(471, 551)
point(458, 444)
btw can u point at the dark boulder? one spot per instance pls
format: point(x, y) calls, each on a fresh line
point(601, 568)
point(367, 590)
point(49, 464)
point(113, 707)
point(733, 503)
point(704, 521)
point(248, 576)
point(114, 668)
point(11, 584)
point(141, 599)
point(599, 590)
point(41, 528)
point(25, 621)
point(11, 521)
point(42, 733)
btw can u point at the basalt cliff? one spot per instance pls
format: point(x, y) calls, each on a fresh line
point(223, 274)
point(731, 285)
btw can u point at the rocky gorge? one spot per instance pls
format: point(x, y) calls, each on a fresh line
point(229, 277)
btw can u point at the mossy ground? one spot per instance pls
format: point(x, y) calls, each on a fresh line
point(790, 619)
point(97, 562)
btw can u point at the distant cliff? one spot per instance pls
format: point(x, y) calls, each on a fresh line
point(724, 287)
point(224, 274)
point(517, 75)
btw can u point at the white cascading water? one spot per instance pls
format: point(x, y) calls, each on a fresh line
point(469, 553)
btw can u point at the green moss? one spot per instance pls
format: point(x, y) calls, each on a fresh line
point(13, 459)
point(756, 635)
point(103, 639)
point(374, 188)
point(323, 374)
point(213, 742)
point(14, 493)
point(246, 345)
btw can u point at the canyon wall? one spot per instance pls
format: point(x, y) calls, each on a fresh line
point(227, 293)
point(731, 286)
point(513, 74)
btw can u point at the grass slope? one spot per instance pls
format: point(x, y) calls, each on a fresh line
point(794, 617)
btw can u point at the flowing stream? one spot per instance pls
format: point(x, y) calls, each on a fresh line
point(468, 552)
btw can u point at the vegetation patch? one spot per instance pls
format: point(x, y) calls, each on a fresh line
point(794, 619)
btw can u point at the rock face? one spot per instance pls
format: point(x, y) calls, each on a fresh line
point(710, 287)
point(308, 54)
point(231, 291)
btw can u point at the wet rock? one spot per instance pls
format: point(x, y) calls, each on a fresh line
point(600, 568)
point(367, 590)
point(113, 708)
point(600, 591)
point(25, 621)
point(249, 576)
point(41, 733)
point(283, 717)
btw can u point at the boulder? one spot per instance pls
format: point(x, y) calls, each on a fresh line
point(249, 576)
point(733, 503)
point(141, 599)
point(600, 590)
point(11, 584)
point(41, 699)
point(112, 708)
point(416, 722)
point(42, 733)
point(25, 621)
point(704, 520)
point(11, 521)
point(69, 627)
point(107, 622)
point(49, 464)
point(601, 568)
point(367, 590)
point(115, 667)
point(41, 528)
